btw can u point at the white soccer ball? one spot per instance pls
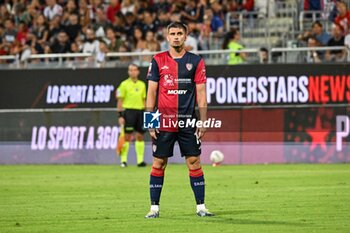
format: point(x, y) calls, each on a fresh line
point(216, 156)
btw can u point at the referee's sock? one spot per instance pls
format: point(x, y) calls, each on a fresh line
point(124, 153)
point(156, 184)
point(140, 150)
point(198, 185)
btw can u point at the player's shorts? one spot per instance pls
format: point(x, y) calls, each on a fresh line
point(133, 121)
point(163, 146)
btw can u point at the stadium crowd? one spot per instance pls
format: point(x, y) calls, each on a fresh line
point(98, 27)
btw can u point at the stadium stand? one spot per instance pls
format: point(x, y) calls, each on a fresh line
point(105, 30)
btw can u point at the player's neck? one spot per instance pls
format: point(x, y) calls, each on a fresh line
point(177, 52)
point(133, 79)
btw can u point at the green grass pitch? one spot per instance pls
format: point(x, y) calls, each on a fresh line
point(259, 198)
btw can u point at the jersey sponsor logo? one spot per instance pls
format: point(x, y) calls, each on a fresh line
point(189, 66)
point(165, 68)
point(168, 80)
point(177, 92)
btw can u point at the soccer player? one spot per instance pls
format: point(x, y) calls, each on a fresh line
point(176, 81)
point(131, 95)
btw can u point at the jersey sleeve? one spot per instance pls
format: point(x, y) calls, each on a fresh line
point(120, 91)
point(200, 75)
point(153, 71)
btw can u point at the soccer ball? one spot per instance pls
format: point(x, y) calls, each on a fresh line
point(216, 157)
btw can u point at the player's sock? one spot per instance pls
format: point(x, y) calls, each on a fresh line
point(201, 207)
point(125, 151)
point(197, 184)
point(140, 150)
point(155, 208)
point(156, 184)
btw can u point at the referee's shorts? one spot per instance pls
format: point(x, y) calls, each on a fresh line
point(133, 121)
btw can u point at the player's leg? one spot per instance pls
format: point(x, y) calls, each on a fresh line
point(130, 118)
point(156, 185)
point(198, 184)
point(140, 143)
point(190, 148)
point(125, 150)
point(163, 148)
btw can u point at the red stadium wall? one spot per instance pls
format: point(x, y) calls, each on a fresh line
point(269, 114)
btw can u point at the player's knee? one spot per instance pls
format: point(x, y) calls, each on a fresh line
point(193, 161)
point(127, 137)
point(159, 164)
point(139, 137)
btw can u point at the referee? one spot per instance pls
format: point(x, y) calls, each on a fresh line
point(131, 96)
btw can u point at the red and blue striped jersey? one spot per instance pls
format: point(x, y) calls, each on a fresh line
point(177, 79)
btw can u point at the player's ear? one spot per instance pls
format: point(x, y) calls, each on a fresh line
point(167, 38)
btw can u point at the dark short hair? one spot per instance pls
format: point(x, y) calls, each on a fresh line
point(134, 65)
point(318, 23)
point(177, 25)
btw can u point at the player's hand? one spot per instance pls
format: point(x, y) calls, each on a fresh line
point(200, 132)
point(153, 133)
point(121, 121)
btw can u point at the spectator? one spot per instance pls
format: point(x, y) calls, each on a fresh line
point(191, 43)
point(54, 28)
point(343, 17)
point(151, 42)
point(232, 42)
point(336, 40)
point(124, 59)
point(164, 44)
point(149, 22)
point(31, 13)
point(52, 9)
point(205, 31)
point(139, 40)
point(163, 20)
point(70, 8)
point(119, 23)
point(73, 27)
point(74, 47)
point(61, 44)
point(40, 30)
point(4, 14)
point(84, 13)
point(320, 35)
point(101, 57)
point(22, 34)
point(316, 31)
point(192, 12)
point(128, 6)
point(142, 6)
point(91, 44)
point(100, 23)
point(10, 33)
point(112, 10)
point(112, 42)
point(161, 5)
point(217, 24)
point(263, 55)
point(35, 47)
point(313, 56)
point(130, 23)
